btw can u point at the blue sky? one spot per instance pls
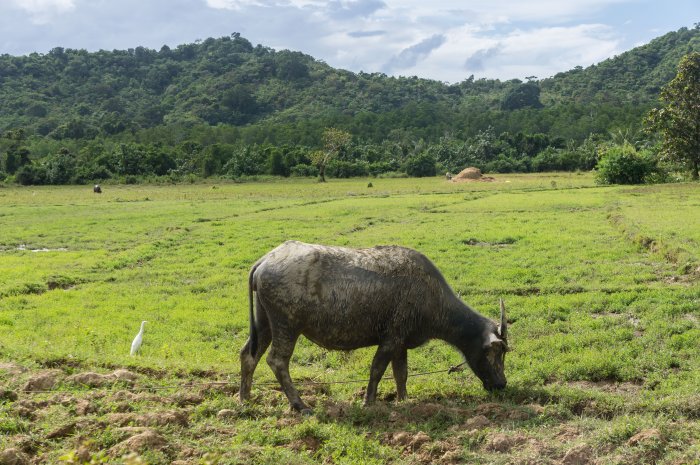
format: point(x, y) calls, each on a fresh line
point(436, 39)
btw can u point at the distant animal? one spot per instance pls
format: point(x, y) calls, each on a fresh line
point(97, 189)
point(342, 298)
point(136, 344)
point(448, 175)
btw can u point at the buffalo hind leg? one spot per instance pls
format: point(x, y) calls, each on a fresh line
point(381, 360)
point(250, 361)
point(399, 365)
point(278, 359)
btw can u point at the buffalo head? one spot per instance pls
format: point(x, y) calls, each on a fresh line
point(486, 357)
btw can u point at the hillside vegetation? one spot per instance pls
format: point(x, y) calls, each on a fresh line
point(226, 91)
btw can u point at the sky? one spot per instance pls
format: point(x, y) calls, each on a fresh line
point(446, 40)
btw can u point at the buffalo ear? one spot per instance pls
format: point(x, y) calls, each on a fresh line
point(503, 328)
point(493, 340)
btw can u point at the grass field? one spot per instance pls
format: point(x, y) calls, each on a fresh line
point(602, 286)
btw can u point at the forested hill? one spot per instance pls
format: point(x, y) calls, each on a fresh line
point(632, 77)
point(279, 97)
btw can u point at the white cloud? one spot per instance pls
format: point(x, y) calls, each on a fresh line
point(497, 39)
point(239, 4)
point(42, 11)
point(541, 52)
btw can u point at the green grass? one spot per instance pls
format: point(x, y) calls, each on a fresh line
point(601, 286)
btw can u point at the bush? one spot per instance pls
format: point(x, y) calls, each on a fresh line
point(504, 164)
point(421, 165)
point(622, 164)
point(31, 175)
point(347, 169)
point(304, 171)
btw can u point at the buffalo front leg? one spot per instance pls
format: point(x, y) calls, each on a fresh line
point(381, 360)
point(278, 359)
point(399, 365)
point(250, 361)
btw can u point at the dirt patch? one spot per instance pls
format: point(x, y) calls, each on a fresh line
point(567, 433)
point(148, 439)
point(310, 443)
point(133, 397)
point(95, 380)
point(43, 381)
point(13, 456)
point(119, 419)
point(85, 407)
point(492, 411)
point(440, 452)
point(227, 414)
point(184, 399)
point(520, 415)
point(407, 441)
point(471, 174)
point(503, 443)
point(645, 436)
point(337, 410)
point(581, 454)
point(173, 417)
point(477, 422)
point(89, 379)
point(6, 394)
point(12, 369)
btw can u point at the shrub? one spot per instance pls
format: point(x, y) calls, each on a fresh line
point(347, 169)
point(31, 175)
point(622, 164)
point(421, 165)
point(302, 170)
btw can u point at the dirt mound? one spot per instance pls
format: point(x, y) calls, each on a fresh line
point(13, 456)
point(581, 454)
point(6, 394)
point(503, 443)
point(407, 441)
point(149, 439)
point(43, 381)
point(477, 422)
point(91, 379)
point(471, 174)
point(648, 435)
point(12, 368)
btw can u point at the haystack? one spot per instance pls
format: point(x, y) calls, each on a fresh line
point(471, 174)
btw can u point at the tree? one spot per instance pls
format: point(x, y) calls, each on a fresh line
point(679, 120)
point(523, 96)
point(60, 168)
point(17, 155)
point(334, 142)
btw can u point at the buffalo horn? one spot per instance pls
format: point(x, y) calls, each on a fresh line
point(503, 329)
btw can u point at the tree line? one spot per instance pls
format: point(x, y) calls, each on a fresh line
point(222, 107)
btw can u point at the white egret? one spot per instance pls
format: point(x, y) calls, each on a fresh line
point(136, 344)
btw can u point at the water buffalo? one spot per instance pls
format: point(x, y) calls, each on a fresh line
point(341, 298)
